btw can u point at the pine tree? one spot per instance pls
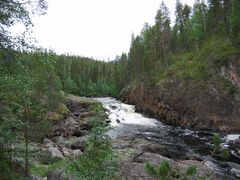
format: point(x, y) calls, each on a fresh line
point(198, 22)
point(215, 16)
point(182, 24)
point(163, 32)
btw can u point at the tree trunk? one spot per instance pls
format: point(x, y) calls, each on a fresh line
point(26, 173)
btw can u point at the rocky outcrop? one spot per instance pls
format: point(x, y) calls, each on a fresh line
point(134, 153)
point(198, 105)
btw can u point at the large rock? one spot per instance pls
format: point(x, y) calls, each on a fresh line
point(47, 143)
point(79, 144)
point(76, 152)
point(206, 169)
point(152, 158)
point(134, 171)
point(67, 127)
point(54, 175)
point(71, 152)
point(55, 153)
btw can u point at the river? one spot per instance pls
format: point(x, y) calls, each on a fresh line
point(183, 143)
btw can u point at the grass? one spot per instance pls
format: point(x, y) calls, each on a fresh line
point(41, 170)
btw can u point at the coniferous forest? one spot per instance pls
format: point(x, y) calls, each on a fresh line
point(192, 54)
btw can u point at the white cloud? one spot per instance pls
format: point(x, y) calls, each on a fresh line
point(93, 28)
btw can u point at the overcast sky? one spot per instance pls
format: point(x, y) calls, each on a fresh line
point(94, 28)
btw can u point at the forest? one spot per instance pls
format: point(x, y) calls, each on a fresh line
point(34, 81)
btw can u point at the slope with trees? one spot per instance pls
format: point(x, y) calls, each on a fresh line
point(188, 73)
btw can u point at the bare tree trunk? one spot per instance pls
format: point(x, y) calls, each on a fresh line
point(164, 49)
point(196, 44)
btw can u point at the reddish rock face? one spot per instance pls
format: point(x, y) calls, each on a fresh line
point(231, 72)
point(194, 105)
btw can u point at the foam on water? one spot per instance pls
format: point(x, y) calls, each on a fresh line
point(123, 113)
point(232, 137)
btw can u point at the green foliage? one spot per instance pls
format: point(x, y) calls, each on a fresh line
point(70, 86)
point(191, 171)
point(217, 149)
point(87, 77)
point(150, 169)
point(229, 87)
point(161, 52)
point(41, 170)
point(13, 12)
point(163, 171)
point(216, 139)
point(29, 88)
point(225, 154)
point(96, 162)
point(31, 82)
point(166, 171)
point(235, 22)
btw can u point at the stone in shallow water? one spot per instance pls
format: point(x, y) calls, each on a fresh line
point(108, 121)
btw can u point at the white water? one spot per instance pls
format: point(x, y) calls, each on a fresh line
point(232, 137)
point(120, 113)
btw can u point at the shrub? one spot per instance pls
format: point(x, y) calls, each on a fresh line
point(97, 161)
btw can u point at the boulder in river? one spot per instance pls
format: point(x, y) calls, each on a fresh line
point(108, 121)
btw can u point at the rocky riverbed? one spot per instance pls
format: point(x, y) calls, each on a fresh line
point(138, 140)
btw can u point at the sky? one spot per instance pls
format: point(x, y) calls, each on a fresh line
point(94, 28)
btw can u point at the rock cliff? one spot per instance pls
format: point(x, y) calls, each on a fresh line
point(196, 104)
